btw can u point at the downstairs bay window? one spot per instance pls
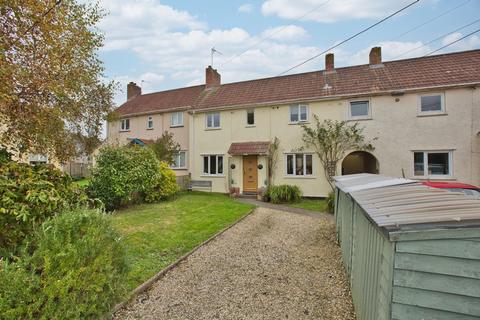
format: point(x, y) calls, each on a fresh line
point(299, 164)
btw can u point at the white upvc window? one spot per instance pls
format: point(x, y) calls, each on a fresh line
point(298, 113)
point(176, 119)
point(150, 122)
point(213, 120)
point(359, 109)
point(431, 104)
point(213, 164)
point(179, 160)
point(299, 164)
point(125, 125)
point(432, 164)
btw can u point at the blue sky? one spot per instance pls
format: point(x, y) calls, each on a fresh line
point(164, 44)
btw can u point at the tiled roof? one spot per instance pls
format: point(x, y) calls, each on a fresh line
point(426, 72)
point(254, 147)
point(164, 100)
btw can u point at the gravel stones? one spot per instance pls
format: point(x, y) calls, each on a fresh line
point(271, 265)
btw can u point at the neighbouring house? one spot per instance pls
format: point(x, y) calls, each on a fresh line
point(145, 117)
point(424, 111)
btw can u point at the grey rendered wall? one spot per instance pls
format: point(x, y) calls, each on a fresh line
point(437, 279)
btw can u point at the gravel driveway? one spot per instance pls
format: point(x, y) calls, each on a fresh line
point(271, 265)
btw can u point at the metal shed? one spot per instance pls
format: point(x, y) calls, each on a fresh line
point(410, 251)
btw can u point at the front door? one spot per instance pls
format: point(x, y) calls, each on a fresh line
point(250, 174)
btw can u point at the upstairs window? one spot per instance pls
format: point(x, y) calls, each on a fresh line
point(149, 122)
point(432, 163)
point(213, 120)
point(213, 164)
point(299, 164)
point(359, 110)
point(125, 125)
point(298, 113)
point(431, 104)
point(179, 160)
point(250, 117)
point(176, 119)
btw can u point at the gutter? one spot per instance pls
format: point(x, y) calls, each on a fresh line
point(394, 92)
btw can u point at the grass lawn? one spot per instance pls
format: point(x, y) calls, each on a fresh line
point(83, 182)
point(311, 204)
point(158, 234)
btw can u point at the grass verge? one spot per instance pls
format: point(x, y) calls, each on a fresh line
point(319, 205)
point(158, 234)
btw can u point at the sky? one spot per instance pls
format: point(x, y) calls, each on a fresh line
point(163, 44)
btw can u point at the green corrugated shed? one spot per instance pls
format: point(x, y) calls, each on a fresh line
point(410, 251)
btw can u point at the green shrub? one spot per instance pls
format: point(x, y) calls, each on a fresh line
point(283, 194)
point(28, 196)
point(331, 202)
point(123, 175)
point(74, 268)
point(165, 185)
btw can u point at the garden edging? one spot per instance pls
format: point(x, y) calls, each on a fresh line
point(147, 284)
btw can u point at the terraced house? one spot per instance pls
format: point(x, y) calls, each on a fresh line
point(424, 112)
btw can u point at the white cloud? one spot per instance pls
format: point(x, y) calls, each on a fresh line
point(245, 8)
point(330, 11)
point(468, 43)
point(286, 33)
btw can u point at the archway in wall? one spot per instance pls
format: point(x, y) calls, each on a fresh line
point(360, 162)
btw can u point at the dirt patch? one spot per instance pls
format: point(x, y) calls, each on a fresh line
point(272, 265)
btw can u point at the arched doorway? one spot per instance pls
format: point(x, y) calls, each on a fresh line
point(359, 162)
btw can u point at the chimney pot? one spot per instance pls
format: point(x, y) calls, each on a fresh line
point(329, 62)
point(212, 77)
point(375, 55)
point(133, 90)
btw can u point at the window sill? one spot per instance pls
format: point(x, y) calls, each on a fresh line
point(182, 168)
point(299, 177)
point(299, 122)
point(123, 130)
point(431, 114)
point(360, 119)
point(212, 176)
point(250, 126)
point(150, 128)
point(178, 126)
point(210, 129)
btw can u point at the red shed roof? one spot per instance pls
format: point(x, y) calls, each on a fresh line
point(453, 69)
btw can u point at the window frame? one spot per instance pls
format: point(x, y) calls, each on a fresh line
point(364, 117)
point(299, 112)
point(442, 110)
point(180, 123)
point(247, 113)
point(426, 175)
point(149, 120)
point(123, 127)
point(304, 157)
point(173, 166)
point(209, 157)
point(213, 127)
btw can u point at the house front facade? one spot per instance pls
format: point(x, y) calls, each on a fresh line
point(423, 113)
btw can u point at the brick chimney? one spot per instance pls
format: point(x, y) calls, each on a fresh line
point(376, 55)
point(133, 90)
point(212, 77)
point(329, 62)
